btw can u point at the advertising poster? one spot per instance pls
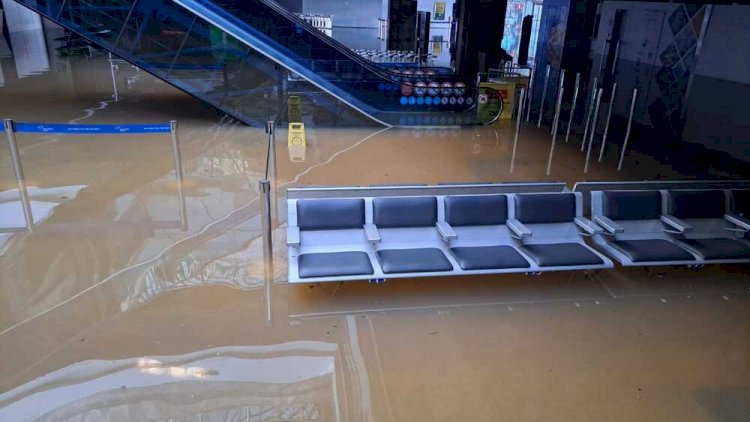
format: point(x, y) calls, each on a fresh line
point(439, 14)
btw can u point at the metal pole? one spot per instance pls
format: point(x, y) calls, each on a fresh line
point(544, 96)
point(177, 158)
point(609, 116)
point(557, 111)
point(588, 115)
point(518, 128)
point(18, 169)
point(114, 82)
point(554, 131)
point(265, 227)
point(593, 129)
point(627, 132)
point(271, 129)
point(530, 96)
point(573, 106)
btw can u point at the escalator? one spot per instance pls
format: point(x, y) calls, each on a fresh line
point(240, 55)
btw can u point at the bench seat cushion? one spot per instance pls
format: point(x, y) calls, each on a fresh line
point(334, 264)
point(413, 260)
point(489, 257)
point(719, 248)
point(476, 210)
point(543, 208)
point(650, 250)
point(561, 254)
point(698, 203)
point(330, 214)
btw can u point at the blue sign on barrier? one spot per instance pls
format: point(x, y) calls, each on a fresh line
point(90, 129)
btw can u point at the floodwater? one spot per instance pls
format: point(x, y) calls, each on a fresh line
point(119, 306)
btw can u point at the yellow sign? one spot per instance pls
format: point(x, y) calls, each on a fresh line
point(439, 11)
point(294, 109)
point(296, 142)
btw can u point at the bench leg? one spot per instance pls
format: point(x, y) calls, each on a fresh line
point(652, 272)
point(337, 288)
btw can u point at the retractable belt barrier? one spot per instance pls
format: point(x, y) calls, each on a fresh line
point(90, 129)
point(11, 128)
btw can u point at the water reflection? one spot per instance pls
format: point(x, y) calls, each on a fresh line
point(303, 380)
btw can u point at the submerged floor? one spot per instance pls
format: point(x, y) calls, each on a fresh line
point(114, 309)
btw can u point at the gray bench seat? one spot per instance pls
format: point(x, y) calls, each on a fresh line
point(422, 260)
point(634, 234)
point(489, 257)
point(561, 254)
point(334, 264)
point(548, 225)
point(718, 248)
point(649, 250)
point(699, 218)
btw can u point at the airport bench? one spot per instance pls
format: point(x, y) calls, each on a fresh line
point(650, 227)
point(350, 233)
point(701, 222)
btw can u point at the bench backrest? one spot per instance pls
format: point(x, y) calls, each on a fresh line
point(632, 205)
point(330, 214)
point(400, 212)
point(545, 208)
point(741, 200)
point(697, 204)
point(476, 210)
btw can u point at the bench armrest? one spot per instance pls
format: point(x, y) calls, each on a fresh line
point(587, 225)
point(292, 236)
point(446, 231)
point(607, 224)
point(677, 224)
point(371, 233)
point(740, 222)
point(521, 232)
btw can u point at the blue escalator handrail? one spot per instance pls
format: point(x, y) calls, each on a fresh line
point(29, 127)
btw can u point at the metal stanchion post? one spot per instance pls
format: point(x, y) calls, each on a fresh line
point(609, 117)
point(627, 132)
point(588, 114)
point(544, 96)
point(593, 130)
point(177, 158)
point(271, 129)
point(15, 157)
point(556, 111)
point(114, 81)
point(265, 227)
point(529, 97)
point(554, 130)
point(573, 106)
point(518, 128)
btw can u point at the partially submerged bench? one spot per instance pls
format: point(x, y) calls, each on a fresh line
point(350, 233)
point(672, 223)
